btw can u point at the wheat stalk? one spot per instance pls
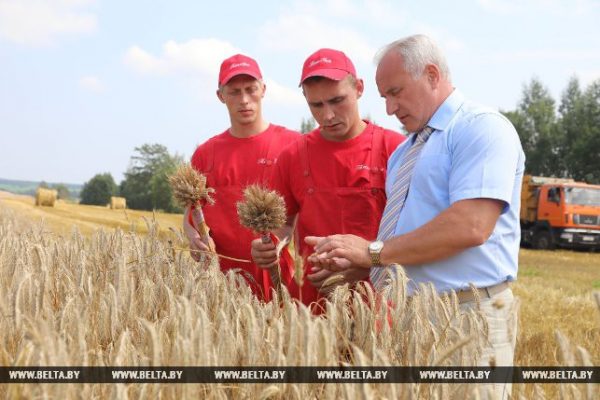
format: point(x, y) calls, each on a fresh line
point(162, 311)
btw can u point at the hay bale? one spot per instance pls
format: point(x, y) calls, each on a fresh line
point(45, 197)
point(118, 203)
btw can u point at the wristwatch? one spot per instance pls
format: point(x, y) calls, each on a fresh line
point(374, 251)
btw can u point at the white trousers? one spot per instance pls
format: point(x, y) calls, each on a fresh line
point(501, 314)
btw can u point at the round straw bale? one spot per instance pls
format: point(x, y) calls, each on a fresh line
point(45, 197)
point(118, 203)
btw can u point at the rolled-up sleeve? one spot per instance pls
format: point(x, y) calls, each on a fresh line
point(485, 156)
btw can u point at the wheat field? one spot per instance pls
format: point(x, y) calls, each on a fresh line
point(63, 217)
point(92, 297)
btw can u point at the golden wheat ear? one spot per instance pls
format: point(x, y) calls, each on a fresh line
point(189, 187)
point(263, 211)
point(190, 190)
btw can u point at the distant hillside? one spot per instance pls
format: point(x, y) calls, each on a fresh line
point(29, 187)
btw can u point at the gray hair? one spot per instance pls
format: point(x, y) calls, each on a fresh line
point(417, 51)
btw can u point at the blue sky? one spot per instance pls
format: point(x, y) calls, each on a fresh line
point(83, 82)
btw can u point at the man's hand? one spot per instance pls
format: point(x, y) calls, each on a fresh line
point(339, 252)
point(319, 276)
point(197, 242)
point(264, 254)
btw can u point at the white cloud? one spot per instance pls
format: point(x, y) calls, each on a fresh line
point(304, 26)
point(91, 83)
point(194, 57)
point(339, 8)
point(39, 22)
point(386, 13)
point(143, 62)
point(362, 12)
point(199, 60)
point(555, 7)
point(498, 6)
point(543, 54)
point(279, 94)
point(307, 33)
point(448, 42)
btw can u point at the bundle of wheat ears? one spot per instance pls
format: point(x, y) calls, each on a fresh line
point(263, 211)
point(189, 190)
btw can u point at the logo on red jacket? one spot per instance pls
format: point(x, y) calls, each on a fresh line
point(267, 161)
point(363, 167)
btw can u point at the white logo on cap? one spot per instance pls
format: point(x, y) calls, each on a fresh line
point(319, 61)
point(242, 64)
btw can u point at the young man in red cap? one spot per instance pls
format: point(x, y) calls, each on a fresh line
point(333, 178)
point(244, 154)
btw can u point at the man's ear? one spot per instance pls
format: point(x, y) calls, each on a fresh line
point(360, 88)
point(264, 90)
point(220, 96)
point(433, 74)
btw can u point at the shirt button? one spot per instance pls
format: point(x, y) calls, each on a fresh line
point(305, 173)
point(311, 190)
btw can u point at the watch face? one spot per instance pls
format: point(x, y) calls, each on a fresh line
point(376, 246)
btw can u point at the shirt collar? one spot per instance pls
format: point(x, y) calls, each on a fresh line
point(444, 114)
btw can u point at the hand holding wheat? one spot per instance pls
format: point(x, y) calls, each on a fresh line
point(189, 190)
point(263, 211)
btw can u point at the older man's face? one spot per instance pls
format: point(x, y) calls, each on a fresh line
point(410, 100)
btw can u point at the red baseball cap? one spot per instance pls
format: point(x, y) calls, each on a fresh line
point(238, 65)
point(329, 63)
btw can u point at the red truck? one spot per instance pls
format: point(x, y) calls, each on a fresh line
point(559, 213)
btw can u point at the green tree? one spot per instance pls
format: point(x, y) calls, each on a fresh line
point(98, 190)
point(571, 117)
point(307, 125)
point(536, 122)
point(62, 191)
point(585, 148)
point(146, 185)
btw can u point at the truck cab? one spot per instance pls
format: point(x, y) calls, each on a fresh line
point(560, 212)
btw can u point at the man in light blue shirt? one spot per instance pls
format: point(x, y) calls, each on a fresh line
point(456, 223)
point(473, 153)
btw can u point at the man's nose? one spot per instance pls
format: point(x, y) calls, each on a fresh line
point(390, 107)
point(245, 98)
point(328, 113)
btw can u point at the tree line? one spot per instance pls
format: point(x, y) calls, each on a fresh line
point(145, 186)
point(560, 140)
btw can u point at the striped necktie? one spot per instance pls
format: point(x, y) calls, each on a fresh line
point(395, 202)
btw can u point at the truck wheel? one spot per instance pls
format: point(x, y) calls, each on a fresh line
point(542, 240)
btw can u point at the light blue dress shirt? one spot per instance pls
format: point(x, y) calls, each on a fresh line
point(474, 152)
